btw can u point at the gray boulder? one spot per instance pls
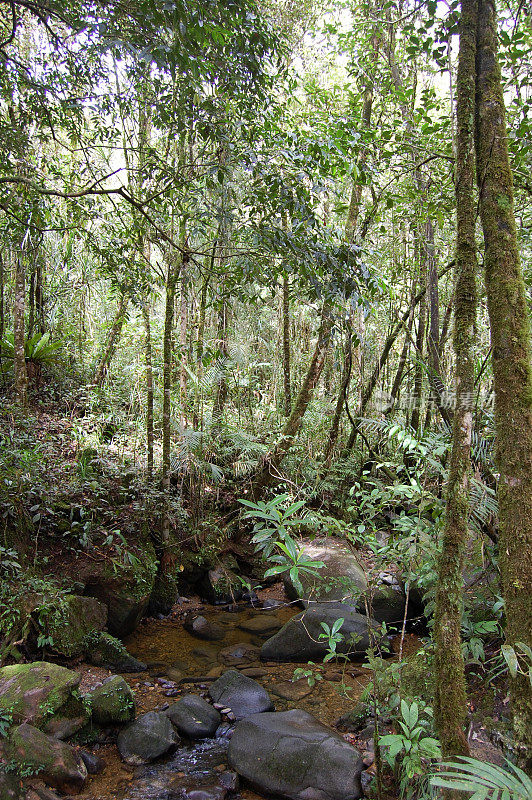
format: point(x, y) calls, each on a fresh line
point(201, 628)
point(241, 694)
point(299, 639)
point(194, 717)
point(293, 755)
point(106, 651)
point(343, 579)
point(149, 737)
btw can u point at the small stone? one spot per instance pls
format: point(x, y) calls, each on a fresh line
point(230, 780)
point(94, 763)
point(172, 693)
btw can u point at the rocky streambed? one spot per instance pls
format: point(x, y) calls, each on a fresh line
point(215, 711)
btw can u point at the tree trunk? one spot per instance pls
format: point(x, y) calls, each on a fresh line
point(342, 394)
point(450, 688)
point(112, 342)
point(171, 280)
point(183, 320)
point(510, 338)
point(19, 308)
point(149, 386)
point(420, 341)
point(270, 466)
point(286, 348)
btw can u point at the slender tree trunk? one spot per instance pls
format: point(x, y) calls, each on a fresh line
point(450, 688)
point(31, 304)
point(2, 304)
point(183, 321)
point(112, 341)
point(171, 280)
point(222, 388)
point(342, 394)
point(512, 370)
point(270, 466)
point(200, 344)
point(149, 386)
point(286, 348)
point(420, 342)
point(19, 309)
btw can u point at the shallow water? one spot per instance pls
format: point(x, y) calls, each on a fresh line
point(193, 772)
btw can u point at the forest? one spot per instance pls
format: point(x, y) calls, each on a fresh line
point(265, 399)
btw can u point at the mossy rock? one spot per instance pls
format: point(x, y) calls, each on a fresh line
point(69, 625)
point(55, 762)
point(164, 594)
point(112, 703)
point(125, 589)
point(106, 651)
point(38, 691)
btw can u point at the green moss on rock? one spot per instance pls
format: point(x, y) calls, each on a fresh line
point(112, 703)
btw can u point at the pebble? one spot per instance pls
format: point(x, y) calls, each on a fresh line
point(172, 693)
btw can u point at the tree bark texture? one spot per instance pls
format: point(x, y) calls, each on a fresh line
point(112, 342)
point(511, 358)
point(450, 688)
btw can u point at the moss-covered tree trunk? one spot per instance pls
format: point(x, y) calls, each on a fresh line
point(512, 370)
point(450, 690)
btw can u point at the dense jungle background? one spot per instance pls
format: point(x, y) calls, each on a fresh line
point(265, 272)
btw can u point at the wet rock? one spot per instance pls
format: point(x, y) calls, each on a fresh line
point(254, 672)
point(293, 755)
point(110, 653)
point(94, 763)
point(201, 628)
point(208, 792)
point(262, 625)
point(175, 674)
point(147, 738)
point(239, 654)
point(355, 719)
point(367, 779)
point(241, 694)
point(194, 717)
point(42, 694)
point(272, 603)
point(292, 690)
point(230, 780)
point(54, 761)
point(299, 639)
point(112, 703)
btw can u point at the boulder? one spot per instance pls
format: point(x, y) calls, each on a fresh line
point(194, 717)
point(342, 579)
point(221, 585)
point(147, 738)
point(261, 625)
point(342, 576)
point(293, 755)
point(299, 640)
point(126, 593)
point(108, 652)
point(239, 654)
point(72, 622)
point(55, 762)
point(95, 765)
point(42, 694)
point(241, 694)
point(201, 628)
point(112, 703)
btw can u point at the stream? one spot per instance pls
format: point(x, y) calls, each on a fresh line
point(180, 663)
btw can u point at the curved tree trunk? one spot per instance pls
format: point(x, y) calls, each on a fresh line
point(512, 370)
point(450, 690)
point(19, 308)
